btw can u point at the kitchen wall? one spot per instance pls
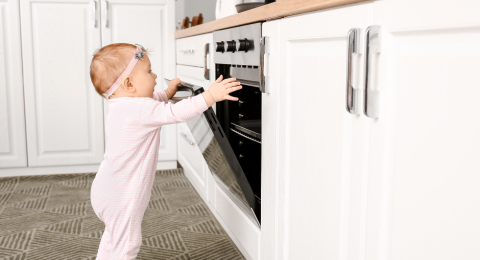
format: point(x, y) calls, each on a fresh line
point(192, 8)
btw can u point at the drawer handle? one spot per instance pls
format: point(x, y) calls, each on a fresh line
point(187, 51)
point(206, 74)
point(106, 14)
point(95, 14)
point(186, 139)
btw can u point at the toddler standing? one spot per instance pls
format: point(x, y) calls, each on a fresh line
point(121, 189)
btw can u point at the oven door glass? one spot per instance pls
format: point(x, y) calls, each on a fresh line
point(222, 160)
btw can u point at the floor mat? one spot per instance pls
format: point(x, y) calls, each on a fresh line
point(51, 217)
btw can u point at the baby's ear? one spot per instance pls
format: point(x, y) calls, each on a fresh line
point(127, 83)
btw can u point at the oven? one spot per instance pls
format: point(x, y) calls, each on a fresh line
point(230, 138)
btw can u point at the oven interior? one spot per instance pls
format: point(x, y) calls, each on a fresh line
point(241, 121)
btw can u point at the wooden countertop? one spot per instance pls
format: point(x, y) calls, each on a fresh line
point(278, 9)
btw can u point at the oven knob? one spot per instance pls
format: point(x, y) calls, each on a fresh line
point(242, 45)
point(230, 46)
point(240, 116)
point(241, 156)
point(219, 46)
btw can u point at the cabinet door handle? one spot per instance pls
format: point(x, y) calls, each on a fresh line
point(186, 51)
point(372, 46)
point(264, 49)
point(106, 14)
point(186, 139)
point(95, 14)
point(206, 74)
point(352, 94)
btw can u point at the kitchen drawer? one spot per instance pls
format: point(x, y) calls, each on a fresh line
point(191, 50)
point(191, 158)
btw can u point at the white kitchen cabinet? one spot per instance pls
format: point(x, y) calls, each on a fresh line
point(192, 67)
point(400, 186)
point(64, 119)
point(191, 50)
point(424, 148)
point(191, 159)
point(13, 151)
point(150, 23)
point(312, 146)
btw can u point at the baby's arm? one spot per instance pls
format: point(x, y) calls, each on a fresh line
point(160, 96)
point(155, 114)
point(168, 93)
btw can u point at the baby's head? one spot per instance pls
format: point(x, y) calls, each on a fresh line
point(110, 62)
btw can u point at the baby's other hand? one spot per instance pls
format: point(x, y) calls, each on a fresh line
point(220, 90)
point(172, 87)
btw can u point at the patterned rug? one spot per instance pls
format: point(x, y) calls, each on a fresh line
point(50, 217)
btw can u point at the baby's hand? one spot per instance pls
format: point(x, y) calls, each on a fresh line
point(172, 87)
point(220, 90)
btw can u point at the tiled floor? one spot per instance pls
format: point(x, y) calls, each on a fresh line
point(50, 217)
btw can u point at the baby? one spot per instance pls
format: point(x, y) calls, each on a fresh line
point(121, 189)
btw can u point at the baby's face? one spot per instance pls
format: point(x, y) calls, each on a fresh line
point(143, 79)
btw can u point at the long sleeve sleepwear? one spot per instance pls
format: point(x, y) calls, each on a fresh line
point(121, 189)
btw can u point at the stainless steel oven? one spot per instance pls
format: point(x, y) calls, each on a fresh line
point(230, 139)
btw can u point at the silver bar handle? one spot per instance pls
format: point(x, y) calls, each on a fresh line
point(372, 46)
point(264, 49)
point(106, 14)
point(190, 50)
point(186, 139)
point(94, 14)
point(207, 71)
point(352, 94)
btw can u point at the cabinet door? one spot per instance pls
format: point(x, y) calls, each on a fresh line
point(423, 173)
point(319, 159)
point(13, 151)
point(150, 23)
point(190, 157)
point(63, 111)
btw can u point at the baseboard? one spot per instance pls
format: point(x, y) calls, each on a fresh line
point(24, 171)
point(166, 165)
point(229, 232)
point(10, 172)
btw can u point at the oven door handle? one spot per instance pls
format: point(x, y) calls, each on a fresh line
point(207, 71)
point(264, 49)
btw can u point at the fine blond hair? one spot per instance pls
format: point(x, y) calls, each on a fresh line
point(108, 63)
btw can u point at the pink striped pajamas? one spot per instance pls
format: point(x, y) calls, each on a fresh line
point(121, 189)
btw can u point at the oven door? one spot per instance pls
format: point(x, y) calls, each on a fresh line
point(220, 156)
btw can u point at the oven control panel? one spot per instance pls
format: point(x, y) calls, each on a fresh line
point(239, 45)
point(233, 46)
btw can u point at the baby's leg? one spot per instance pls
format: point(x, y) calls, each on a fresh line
point(126, 235)
point(105, 246)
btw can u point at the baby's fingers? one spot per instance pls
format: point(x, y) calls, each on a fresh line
point(232, 84)
point(228, 80)
point(230, 90)
point(228, 97)
point(219, 79)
